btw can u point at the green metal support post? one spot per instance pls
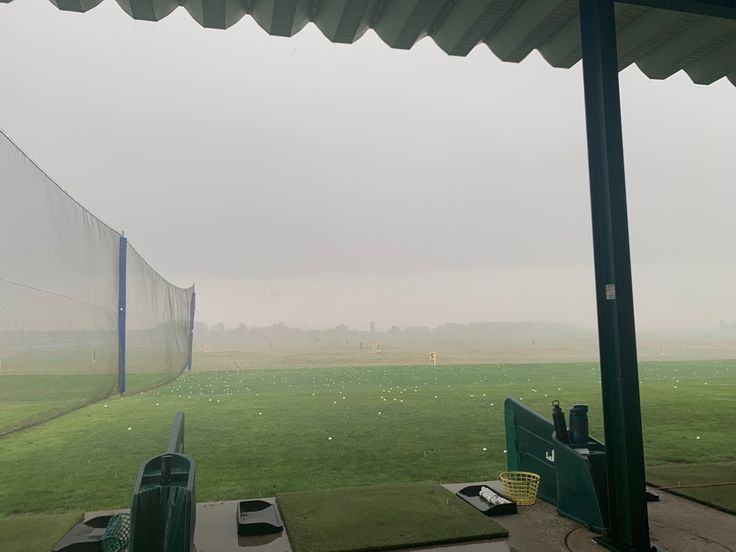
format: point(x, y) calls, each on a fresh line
point(629, 524)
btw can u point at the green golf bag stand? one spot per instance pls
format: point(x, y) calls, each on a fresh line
point(572, 475)
point(163, 512)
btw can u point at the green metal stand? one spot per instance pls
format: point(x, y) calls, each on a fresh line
point(572, 476)
point(163, 511)
point(629, 524)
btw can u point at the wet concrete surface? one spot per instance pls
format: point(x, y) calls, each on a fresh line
point(677, 525)
point(217, 531)
point(536, 528)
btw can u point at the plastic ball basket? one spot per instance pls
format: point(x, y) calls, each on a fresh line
point(117, 534)
point(521, 487)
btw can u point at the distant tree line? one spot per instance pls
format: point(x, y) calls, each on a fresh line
point(219, 337)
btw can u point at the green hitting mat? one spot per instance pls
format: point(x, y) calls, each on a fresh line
point(384, 517)
point(713, 484)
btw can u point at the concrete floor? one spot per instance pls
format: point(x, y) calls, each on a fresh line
point(216, 531)
point(677, 525)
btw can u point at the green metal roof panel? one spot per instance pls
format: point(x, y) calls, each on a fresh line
point(74, 5)
point(216, 14)
point(148, 10)
point(402, 24)
point(659, 41)
point(468, 23)
point(530, 25)
point(346, 21)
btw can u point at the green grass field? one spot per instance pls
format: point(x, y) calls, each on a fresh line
point(27, 400)
point(266, 431)
point(35, 532)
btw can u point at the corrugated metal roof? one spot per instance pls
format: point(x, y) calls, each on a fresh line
point(661, 42)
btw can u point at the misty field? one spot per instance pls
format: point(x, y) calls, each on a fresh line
point(25, 400)
point(258, 432)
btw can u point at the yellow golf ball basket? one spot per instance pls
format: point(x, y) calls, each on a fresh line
point(520, 486)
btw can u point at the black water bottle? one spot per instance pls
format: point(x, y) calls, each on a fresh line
point(558, 417)
point(579, 423)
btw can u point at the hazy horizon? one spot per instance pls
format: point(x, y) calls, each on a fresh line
point(320, 184)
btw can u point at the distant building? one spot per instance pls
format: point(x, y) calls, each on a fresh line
point(417, 329)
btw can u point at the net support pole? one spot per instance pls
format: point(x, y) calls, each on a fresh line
point(192, 310)
point(122, 276)
point(629, 524)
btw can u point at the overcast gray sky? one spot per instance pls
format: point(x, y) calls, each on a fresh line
point(299, 180)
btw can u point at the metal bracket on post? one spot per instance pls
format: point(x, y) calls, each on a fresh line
point(122, 273)
point(628, 518)
point(192, 307)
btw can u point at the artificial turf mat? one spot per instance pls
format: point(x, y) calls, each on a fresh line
point(721, 496)
point(35, 532)
point(383, 517)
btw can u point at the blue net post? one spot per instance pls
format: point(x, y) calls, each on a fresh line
point(192, 308)
point(122, 272)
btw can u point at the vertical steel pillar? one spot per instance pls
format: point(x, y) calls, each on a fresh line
point(629, 524)
point(122, 273)
point(192, 307)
